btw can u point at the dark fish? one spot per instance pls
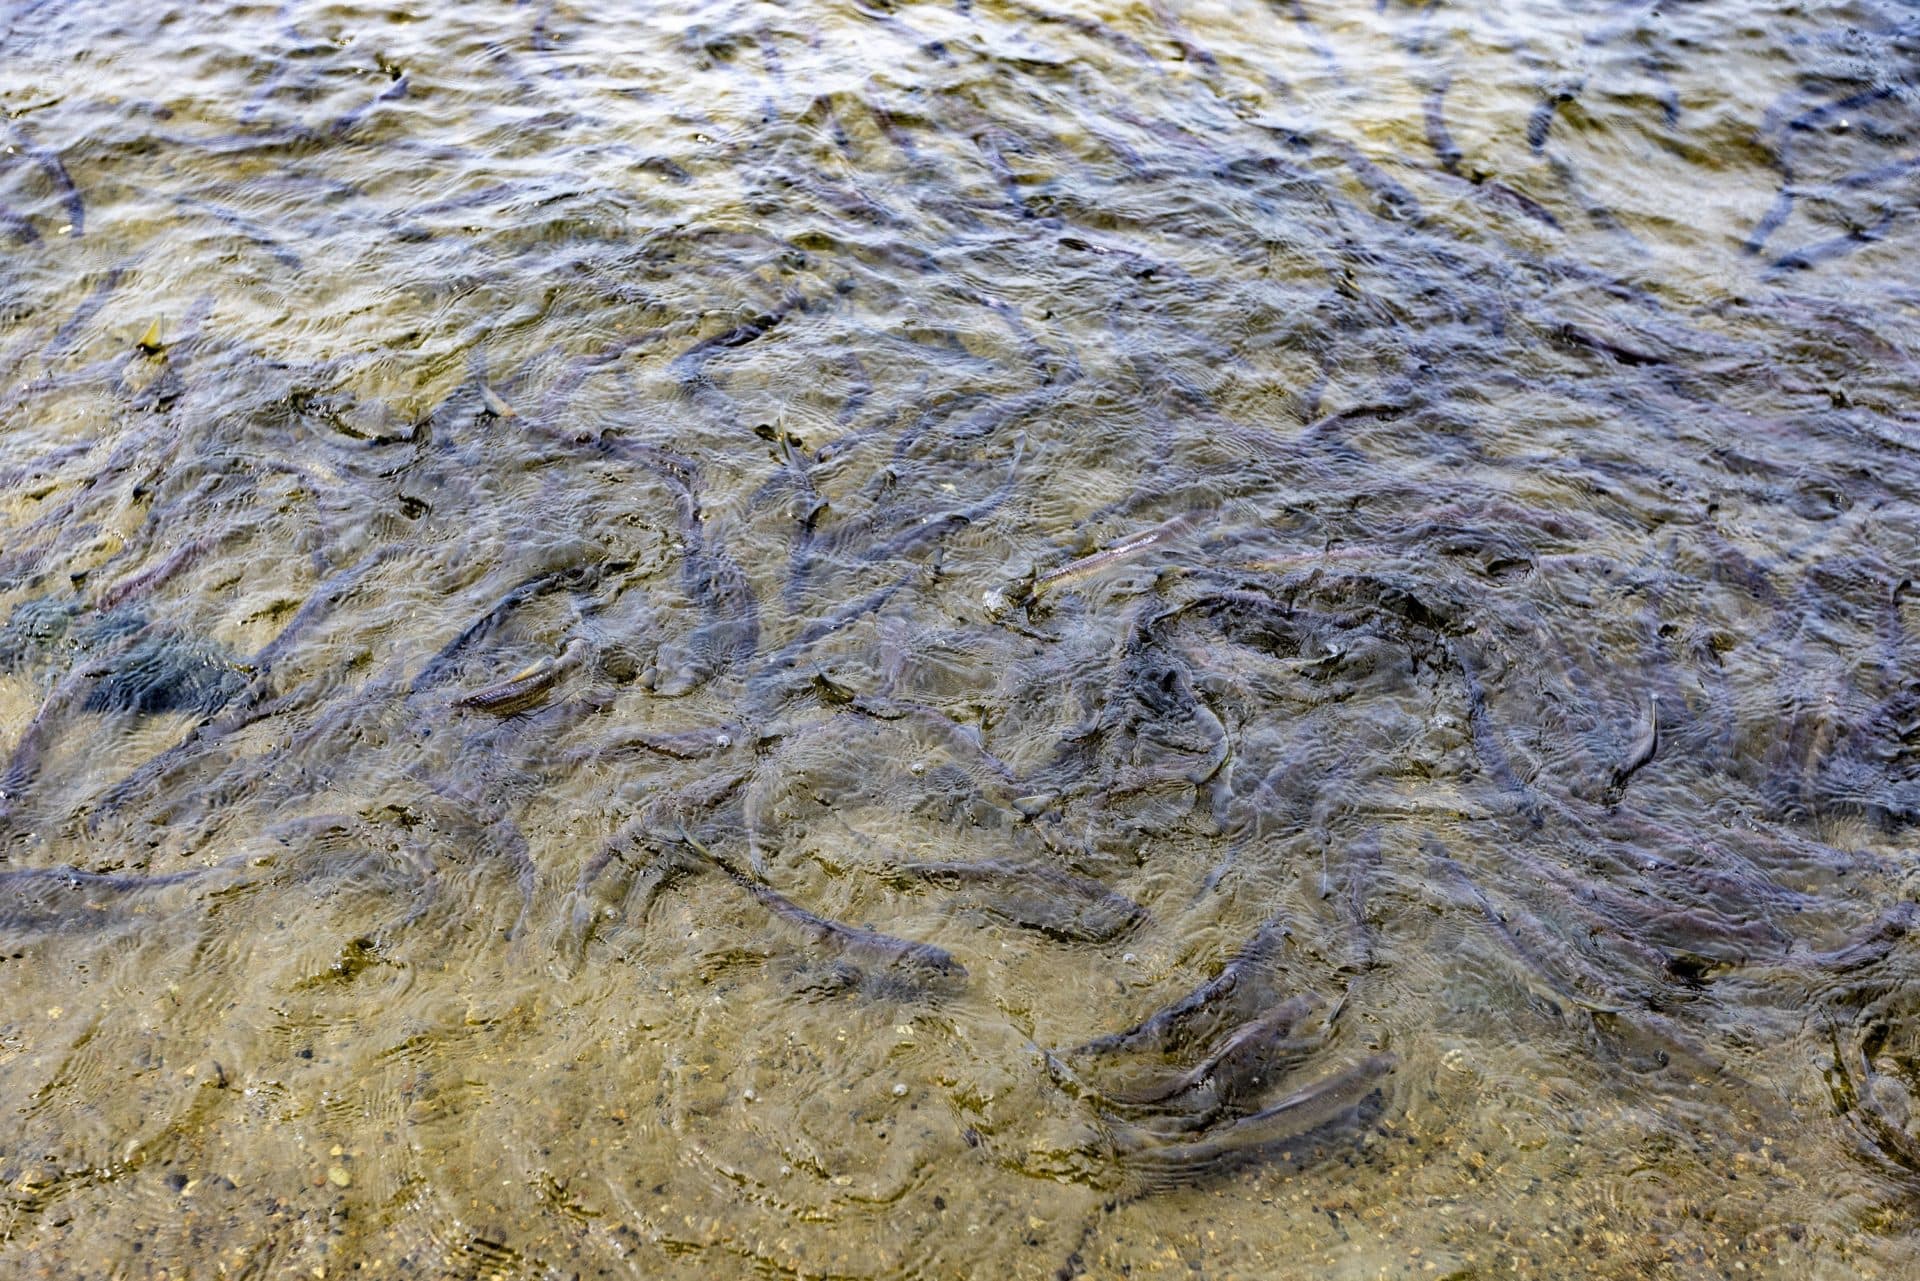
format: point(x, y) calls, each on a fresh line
point(1185, 43)
point(681, 745)
point(21, 228)
point(1871, 947)
point(1851, 1083)
point(51, 165)
point(324, 598)
point(1234, 1069)
point(530, 588)
point(1362, 871)
point(1776, 216)
point(348, 122)
point(690, 364)
point(1500, 193)
point(1297, 10)
point(1239, 975)
point(89, 308)
point(1301, 1128)
point(856, 942)
point(46, 463)
point(1878, 174)
point(1573, 335)
point(783, 659)
point(675, 808)
point(1092, 28)
point(34, 628)
point(327, 844)
point(1534, 965)
point(728, 634)
point(147, 580)
point(1486, 742)
point(1058, 904)
point(23, 767)
point(255, 704)
point(1812, 255)
point(474, 818)
point(43, 900)
point(72, 878)
point(1541, 120)
point(1437, 135)
point(962, 740)
point(247, 228)
point(1392, 198)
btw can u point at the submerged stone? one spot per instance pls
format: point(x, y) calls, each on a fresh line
point(161, 673)
point(34, 627)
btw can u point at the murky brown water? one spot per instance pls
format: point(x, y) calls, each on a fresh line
point(865, 640)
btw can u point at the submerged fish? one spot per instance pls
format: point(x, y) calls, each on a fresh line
point(527, 687)
point(860, 944)
point(1239, 977)
point(1238, 1066)
point(1334, 1109)
point(1058, 904)
point(1124, 550)
point(1644, 745)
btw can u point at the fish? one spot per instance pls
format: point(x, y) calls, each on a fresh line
point(165, 673)
point(1851, 1084)
point(1190, 50)
point(83, 314)
point(324, 598)
point(1541, 118)
point(1058, 904)
point(690, 364)
point(1776, 216)
point(147, 580)
point(1812, 255)
point(1124, 550)
point(528, 687)
point(1487, 746)
point(249, 230)
point(1535, 969)
point(56, 171)
point(496, 403)
point(682, 745)
point(349, 121)
point(1235, 1066)
point(18, 224)
point(568, 578)
point(1335, 1108)
point(45, 900)
point(856, 942)
point(1871, 947)
point(1644, 745)
point(1167, 1025)
point(1362, 871)
point(1316, 40)
point(81, 684)
point(1574, 336)
point(1437, 135)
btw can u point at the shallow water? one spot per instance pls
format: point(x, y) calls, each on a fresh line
point(864, 640)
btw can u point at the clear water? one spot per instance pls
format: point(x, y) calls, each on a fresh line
point(875, 640)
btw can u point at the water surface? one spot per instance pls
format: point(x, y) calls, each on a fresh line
point(1008, 639)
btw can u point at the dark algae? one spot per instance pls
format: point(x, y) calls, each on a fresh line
point(989, 639)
